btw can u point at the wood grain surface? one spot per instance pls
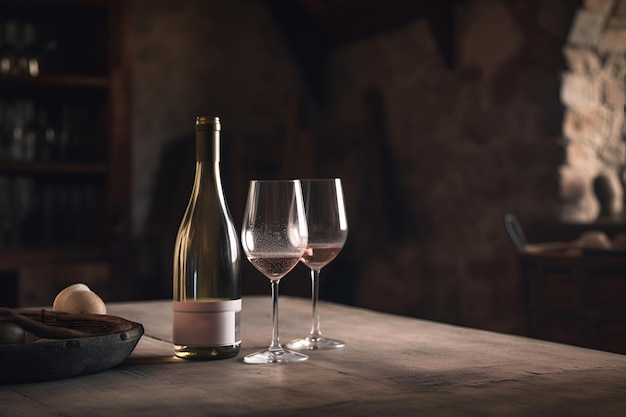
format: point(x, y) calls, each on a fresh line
point(391, 366)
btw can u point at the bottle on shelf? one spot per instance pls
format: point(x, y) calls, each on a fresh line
point(207, 258)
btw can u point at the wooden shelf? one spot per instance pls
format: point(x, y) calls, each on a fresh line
point(68, 204)
point(61, 2)
point(58, 80)
point(17, 258)
point(53, 168)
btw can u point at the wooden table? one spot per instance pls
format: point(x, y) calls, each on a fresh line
point(392, 366)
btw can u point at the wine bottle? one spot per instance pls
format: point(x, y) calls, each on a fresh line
point(207, 285)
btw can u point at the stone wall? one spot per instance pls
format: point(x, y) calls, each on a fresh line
point(431, 156)
point(593, 126)
point(469, 143)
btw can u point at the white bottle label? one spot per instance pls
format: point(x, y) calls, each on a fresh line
point(206, 323)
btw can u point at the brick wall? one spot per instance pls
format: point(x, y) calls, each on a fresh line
point(431, 156)
point(470, 143)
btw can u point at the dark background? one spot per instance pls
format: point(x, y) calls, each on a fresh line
point(440, 117)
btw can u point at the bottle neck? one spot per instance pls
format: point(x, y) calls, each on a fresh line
point(207, 176)
point(207, 145)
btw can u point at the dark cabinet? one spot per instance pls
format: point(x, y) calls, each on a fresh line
point(64, 147)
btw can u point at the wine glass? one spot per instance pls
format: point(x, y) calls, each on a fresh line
point(274, 237)
point(328, 230)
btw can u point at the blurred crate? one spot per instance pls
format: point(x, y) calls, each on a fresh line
point(576, 297)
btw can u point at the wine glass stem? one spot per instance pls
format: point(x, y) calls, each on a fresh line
point(275, 345)
point(315, 292)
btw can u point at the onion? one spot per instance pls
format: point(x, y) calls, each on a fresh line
point(79, 299)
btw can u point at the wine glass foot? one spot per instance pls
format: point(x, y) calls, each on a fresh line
point(275, 356)
point(311, 343)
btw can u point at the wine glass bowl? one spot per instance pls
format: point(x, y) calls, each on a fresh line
point(328, 229)
point(274, 236)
